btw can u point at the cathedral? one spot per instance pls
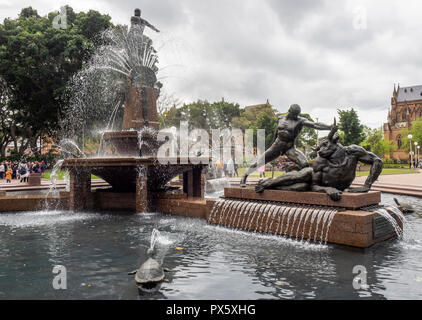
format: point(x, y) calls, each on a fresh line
point(406, 106)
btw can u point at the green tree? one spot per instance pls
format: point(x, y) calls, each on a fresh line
point(351, 130)
point(249, 116)
point(36, 62)
point(374, 142)
point(269, 124)
point(5, 118)
point(201, 115)
point(416, 131)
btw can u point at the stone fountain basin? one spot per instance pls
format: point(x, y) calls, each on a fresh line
point(126, 143)
point(121, 173)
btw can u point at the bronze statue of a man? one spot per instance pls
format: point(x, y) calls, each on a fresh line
point(289, 127)
point(136, 20)
point(137, 30)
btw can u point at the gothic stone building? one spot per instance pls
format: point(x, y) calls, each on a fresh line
point(406, 106)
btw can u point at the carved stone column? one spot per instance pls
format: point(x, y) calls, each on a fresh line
point(81, 197)
point(194, 182)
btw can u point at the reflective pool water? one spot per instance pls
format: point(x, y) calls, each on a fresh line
point(205, 261)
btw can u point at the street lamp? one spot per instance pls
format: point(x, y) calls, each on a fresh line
point(411, 155)
point(418, 153)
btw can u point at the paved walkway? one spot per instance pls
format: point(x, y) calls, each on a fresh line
point(408, 183)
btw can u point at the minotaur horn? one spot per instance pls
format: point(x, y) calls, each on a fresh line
point(333, 131)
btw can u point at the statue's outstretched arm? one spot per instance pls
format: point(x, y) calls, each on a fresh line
point(149, 25)
point(317, 125)
point(367, 158)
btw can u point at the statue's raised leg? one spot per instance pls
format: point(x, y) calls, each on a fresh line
point(297, 157)
point(271, 154)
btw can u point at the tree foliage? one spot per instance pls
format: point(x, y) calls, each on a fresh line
point(416, 131)
point(249, 116)
point(374, 142)
point(201, 115)
point(351, 130)
point(269, 124)
point(36, 62)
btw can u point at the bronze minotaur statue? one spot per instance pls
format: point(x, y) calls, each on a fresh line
point(333, 170)
point(289, 127)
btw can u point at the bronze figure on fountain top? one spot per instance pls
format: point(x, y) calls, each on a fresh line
point(140, 118)
point(140, 75)
point(140, 105)
point(136, 20)
point(289, 127)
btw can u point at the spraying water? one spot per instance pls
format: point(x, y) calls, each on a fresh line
point(154, 237)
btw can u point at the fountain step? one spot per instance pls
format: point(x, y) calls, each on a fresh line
point(187, 207)
point(348, 200)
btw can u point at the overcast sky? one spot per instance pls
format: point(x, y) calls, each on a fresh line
point(322, 55)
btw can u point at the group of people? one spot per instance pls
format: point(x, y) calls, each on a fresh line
point(229, 168)
point(20, 170)
point(416, 164)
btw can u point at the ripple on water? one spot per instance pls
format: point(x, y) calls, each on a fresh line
point(44, 218)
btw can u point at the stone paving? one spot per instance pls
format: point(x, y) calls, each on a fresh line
point(408, 183)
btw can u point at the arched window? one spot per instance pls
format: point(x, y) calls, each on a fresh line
point(403, 116)
point(399, 143)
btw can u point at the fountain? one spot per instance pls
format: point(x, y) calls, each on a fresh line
point(135, 174)
point(259, 242)
point(307, 204)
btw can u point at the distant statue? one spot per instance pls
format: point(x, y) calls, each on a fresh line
point(289, 127)
point(140, 74)
point(138, 24)
point(333, 170)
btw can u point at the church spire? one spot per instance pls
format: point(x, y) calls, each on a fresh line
point(396, 91)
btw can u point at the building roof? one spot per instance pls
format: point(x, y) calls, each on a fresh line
point(409, 93)
point(258, 105)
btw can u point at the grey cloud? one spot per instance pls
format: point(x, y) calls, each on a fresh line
point(292, 13)
point(303, 51)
